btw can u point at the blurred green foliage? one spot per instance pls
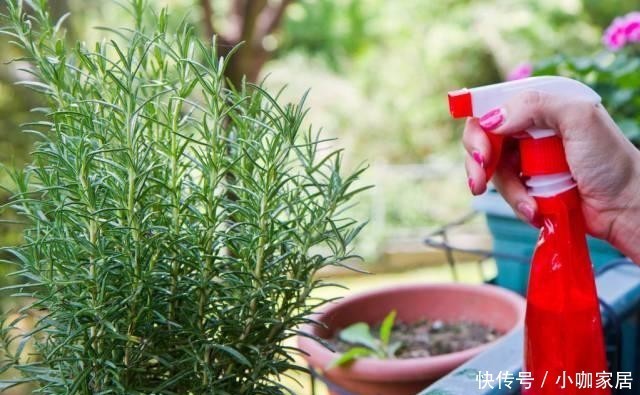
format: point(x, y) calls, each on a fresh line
point(333, 31)
point(602, 12)
point(379, 69)
point(404, 55)
point(399, 59)
point(615, 76)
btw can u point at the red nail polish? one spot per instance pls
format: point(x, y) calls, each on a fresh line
point(492, 119)
point(477, 156)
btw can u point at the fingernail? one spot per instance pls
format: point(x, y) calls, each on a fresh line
point(492, 119)
point(471, 184)
point(527, 211)
point(477, 156)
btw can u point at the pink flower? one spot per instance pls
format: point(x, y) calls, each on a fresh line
point(615, 36)
point(622, 31)
point(632, 28)
point(523, 70)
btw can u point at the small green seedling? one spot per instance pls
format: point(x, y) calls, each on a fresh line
point(365, 344)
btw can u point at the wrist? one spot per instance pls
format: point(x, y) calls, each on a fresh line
point(625, 229)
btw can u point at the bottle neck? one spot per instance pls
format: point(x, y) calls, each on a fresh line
point(550, 184)
point(560, 204)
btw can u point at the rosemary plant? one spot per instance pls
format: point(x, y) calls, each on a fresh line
point(174, 223)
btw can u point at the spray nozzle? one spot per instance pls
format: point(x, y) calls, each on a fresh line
point(460, 104)
point(542, 153)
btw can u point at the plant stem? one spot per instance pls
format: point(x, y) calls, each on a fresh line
point(175, 205)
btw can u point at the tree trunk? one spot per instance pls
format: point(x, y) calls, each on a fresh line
point(252, 21)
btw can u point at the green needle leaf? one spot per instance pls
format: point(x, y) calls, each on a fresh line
point(386, 327)
point(351, 355)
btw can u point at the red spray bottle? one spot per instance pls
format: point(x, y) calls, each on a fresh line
point(564, 342)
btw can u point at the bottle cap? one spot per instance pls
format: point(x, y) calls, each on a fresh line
point(542, 156)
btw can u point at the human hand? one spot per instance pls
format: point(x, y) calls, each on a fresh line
point(604, 164)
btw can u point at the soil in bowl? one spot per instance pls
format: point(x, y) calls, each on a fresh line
point(424, 338)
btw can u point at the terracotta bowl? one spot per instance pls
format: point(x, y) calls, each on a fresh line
point(490, 305)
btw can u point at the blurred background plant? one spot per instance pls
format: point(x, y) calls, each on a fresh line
point(378, 71)
point(613, 71)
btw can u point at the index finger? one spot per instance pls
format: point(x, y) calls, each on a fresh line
point(534, 109)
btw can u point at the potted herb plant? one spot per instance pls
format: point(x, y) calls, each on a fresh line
point(421, 332)
point(174, 223)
